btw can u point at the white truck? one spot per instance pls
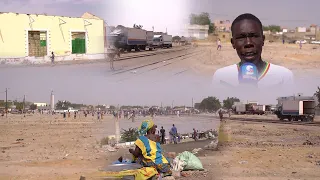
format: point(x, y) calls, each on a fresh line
point(161, 41)
point(239, 108)
point(296, 108)
point(167, 40)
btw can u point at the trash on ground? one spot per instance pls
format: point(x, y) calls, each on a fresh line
point(191, 162)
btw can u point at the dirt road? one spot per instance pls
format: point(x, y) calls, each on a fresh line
point(264, 151)
point(49, 147)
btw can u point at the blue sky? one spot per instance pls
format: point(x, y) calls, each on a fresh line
point(173, 14)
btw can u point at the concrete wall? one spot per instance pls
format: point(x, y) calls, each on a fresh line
point(14, 29)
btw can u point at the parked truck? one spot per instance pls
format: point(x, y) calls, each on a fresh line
point(126, 39)
point(163, 40)
point(240, 108)
point(150, 35)
point(295, 108)
point(249, 108)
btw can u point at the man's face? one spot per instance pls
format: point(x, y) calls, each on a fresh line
point(248, 40)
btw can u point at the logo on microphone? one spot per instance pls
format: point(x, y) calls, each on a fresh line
point(248, 73)
point(249, 70)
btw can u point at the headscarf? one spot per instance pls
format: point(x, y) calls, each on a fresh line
point(146, 125)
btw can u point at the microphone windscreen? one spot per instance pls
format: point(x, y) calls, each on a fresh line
point(248, 74)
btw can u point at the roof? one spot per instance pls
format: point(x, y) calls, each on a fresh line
point(313, 25)
point(86, 15)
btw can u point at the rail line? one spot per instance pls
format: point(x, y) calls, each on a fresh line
point(276, 121)
point(156, 62)
point(167, 64)
point(149, 54)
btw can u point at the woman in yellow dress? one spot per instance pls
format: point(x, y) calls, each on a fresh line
point(148, 150)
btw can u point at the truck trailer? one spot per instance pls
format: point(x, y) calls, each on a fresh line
point(295, 108)
point(163, 40)
point(126, 39)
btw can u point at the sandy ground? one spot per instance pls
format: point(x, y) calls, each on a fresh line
point(48, 147)
point(263, 151)
point(300, 61)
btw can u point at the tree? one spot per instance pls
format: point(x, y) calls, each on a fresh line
point(33, 107)
point(137, 26)
point(272, 28)
point(129, 135)
point(317, 94)
point(210, 104)
point(227, 103)
point(112, 107)
point(19, 105)
point(202, 19)
point(63, 105)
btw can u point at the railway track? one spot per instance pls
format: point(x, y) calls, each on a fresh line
point(149, 54)
point(277, 121)
point(178, 58)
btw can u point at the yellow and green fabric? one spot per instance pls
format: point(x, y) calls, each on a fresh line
point(146, 125)
point(152, 155)
point(139, 174)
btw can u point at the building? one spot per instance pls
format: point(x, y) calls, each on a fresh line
point(41, 104)
point(197, 31)
point(222, 26)
point(33, 37)
point(301, 29)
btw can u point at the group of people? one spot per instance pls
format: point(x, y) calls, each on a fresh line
point(173, 133)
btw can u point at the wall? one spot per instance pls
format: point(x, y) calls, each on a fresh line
point(14, 30)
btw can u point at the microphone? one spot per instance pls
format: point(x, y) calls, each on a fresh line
point(248, 74)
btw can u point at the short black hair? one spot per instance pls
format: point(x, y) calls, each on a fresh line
point(246, 16)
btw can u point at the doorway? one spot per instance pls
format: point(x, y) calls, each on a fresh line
point(37, 43)
point(78, 42)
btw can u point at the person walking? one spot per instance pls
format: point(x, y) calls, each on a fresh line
point(219, 44)
point(174, 133)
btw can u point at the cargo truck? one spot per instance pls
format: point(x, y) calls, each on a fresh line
point(161, 41)
point(126, 39)
point(296, 108)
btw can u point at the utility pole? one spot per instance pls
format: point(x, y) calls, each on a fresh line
point(192, 103)
point(24, 105)
point(6, 102)
point(117, 125)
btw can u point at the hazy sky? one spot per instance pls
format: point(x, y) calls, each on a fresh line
point(172, 14)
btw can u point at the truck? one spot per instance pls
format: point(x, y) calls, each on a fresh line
point(258, 109)
point(239, 108)
point(295, 108)
point(126, 39)
point(183, 41)
point(161, 41)
point(249, 108)
point(150, 35)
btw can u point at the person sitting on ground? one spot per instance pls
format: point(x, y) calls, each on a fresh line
point(148, 150)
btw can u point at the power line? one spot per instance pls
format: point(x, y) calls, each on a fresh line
point(6, 102)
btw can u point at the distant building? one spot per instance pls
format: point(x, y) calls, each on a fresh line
point(285, 30)
point(313, 29)
point(197, 31)
point(41, 104)
point(301, 29)
point(222, 26)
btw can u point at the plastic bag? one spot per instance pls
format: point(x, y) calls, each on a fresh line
point(191, 162)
